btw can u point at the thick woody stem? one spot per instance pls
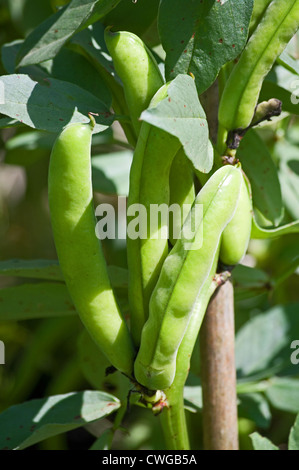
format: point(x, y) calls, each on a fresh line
point(218, 372)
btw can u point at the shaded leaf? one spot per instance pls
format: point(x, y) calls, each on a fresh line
point(51, 104)
point(294, 436)
point(182, 116)
point(49, 37)
point(30, 301)
point(289, 176)
point(253, 406)
point(200, 37)
point(262, 443)
point(262, 173)
point(33, 421)
point(111, 173)
point(263, 343)
point(283, 394)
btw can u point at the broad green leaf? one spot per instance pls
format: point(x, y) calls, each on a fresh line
point(30, 301)
point(9, 54)
point(28, 423)
point(263, 233)
point(263, 343)
point(136, 17)
point(294, 436)
point(255, 407)
point(262, 443)
point(200, 37)
point(28, 147)
point(52, 104)
point(94, 364)
point(68, 66)
point(247, 277)
point(283, 393)
point(182, 116)
point(111, 172)
point(262, 173)
point(50, 270)
point(91, 43)
point(49, 37)
point(289, 176)
point(34, 269)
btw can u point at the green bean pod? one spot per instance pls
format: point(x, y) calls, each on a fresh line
point(242, 90)
point(235, 237)
point(138, 70)
point(182, 278)
point(149, 187)
point(259, 9)
point(79, 251)
point(182, 193)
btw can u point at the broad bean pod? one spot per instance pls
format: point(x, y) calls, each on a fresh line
point(182, 193)
point(242, 90)
point(138, 70)
point(236, 235)
point(182, 278)
point(149, 188)
point(79, 251)
point(259, 9)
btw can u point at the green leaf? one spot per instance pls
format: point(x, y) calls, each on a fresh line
point(261, 443)
point(111, 172)
point(34, 269)
point(50, 270)
point(136, 17)
point(8, 122)
point(30, 301)
point(51, 104)
point(294, 436)
point(68, 66)
point(200, 37)
point(283, 394)
point(182, 116)
point(28, 423)
point(94, 364)
point(249, 282)
point(49, 37)
point(289, 176)
point(263, 233)
point(28, 147)
point(262, 173)
point(263, 343)
point(253, 406)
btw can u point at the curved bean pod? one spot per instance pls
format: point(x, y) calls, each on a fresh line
point(182, 192)
point(138, 70)
point(79, 251)
point(235, 237)
point(242, 90)
point(149, 186)
point(182, 278)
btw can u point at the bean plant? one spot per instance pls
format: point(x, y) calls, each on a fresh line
point(109, 109)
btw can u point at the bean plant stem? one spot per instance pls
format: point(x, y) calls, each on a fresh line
point(218, 372)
